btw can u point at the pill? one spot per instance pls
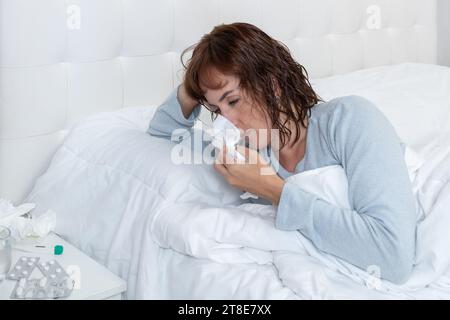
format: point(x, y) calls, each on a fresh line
point(52, 262)
point(58, 270)
point(53, 276)
point(46, 268)
point(12, 275)
point(42, 264)
point(32, 259)
point(30, 263)
point(23, 259)
point(25, 272)
point(18, 267)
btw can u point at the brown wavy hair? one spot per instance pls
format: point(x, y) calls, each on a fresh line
point(259, 62)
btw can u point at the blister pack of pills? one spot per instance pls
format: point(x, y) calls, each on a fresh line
point(55, 284)
point(23, 268)
point(53, 271)
point(42, 288)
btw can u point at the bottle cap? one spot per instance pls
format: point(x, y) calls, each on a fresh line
point(58, 250)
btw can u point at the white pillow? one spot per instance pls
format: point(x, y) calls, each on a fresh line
point(414, 97)
point(111, 152)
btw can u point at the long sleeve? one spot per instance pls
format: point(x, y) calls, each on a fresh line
point(169, 117)
point(380, 228)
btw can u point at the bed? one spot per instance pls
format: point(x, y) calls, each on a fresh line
point(178, 231)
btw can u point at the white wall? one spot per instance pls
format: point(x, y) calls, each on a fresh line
point(444, 32)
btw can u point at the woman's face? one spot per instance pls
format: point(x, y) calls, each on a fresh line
point(232, 103)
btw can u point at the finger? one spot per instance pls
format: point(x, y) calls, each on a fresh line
point(220, 157)
point(221, 169)
point(220, 162)
point(228, 158)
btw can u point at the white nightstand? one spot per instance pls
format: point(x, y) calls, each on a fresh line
point(94, 280)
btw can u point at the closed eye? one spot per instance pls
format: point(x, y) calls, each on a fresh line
point(232, 103)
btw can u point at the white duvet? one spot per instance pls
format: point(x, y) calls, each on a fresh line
point(179, 232)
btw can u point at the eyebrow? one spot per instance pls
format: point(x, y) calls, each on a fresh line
point(222, 97)
point(225, 94)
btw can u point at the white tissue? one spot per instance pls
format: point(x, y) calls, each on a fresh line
point(248, 195)
point(8, 212)
point(22, 226)
point(224, 132)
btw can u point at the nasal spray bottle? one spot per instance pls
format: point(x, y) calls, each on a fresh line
point(226, 133)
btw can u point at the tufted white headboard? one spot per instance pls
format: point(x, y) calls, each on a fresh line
point(61, 60)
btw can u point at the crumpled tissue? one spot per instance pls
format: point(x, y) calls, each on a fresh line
point(22, 224)
point(224, 132)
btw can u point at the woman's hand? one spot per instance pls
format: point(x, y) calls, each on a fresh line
point(253, 175)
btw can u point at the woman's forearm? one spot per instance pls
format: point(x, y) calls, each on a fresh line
point(186, 102)
point(176, 112)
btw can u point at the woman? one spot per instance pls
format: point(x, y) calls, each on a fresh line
point(240, 72)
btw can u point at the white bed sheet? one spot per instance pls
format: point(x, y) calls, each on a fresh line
point(106, 205)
